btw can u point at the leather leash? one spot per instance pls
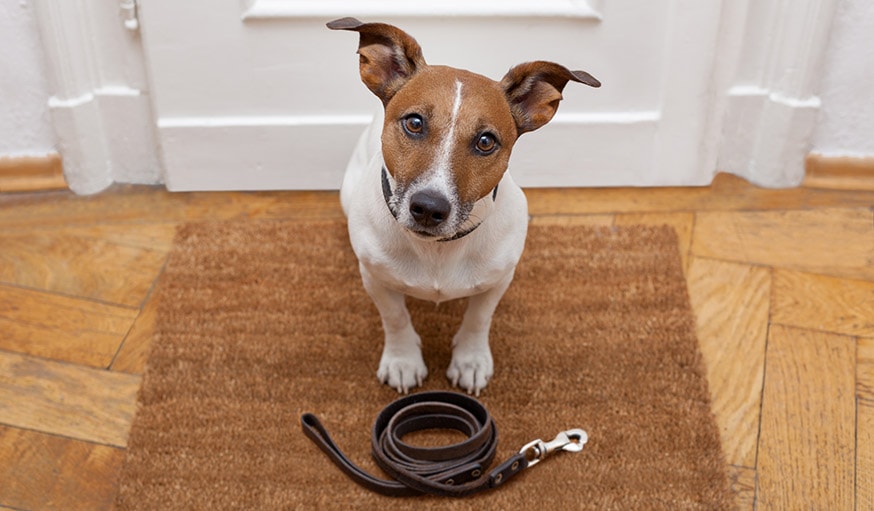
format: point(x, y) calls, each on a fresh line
point(455, 470)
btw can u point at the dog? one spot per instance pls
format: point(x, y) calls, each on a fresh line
point(432, 211)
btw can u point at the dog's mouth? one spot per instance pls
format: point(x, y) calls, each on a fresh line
point(422, 234)
point(445, 230)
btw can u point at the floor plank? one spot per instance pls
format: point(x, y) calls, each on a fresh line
point(131, 358)
point(67, 400)
point(728, 193)
point(45, 472)
point(865, 424)
point(823, 303)
point(730, 302)
point(743, 484)
point(837, 242)
point(131, 204)
point(83, 267)
point(807, 444)
point(61, 328)
point(591, 220)
point(865, 369)
point(154, 236)
point(865, 455)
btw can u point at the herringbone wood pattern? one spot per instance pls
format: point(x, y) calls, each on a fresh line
point(782, 284)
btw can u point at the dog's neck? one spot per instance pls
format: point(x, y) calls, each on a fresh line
point(387, 193)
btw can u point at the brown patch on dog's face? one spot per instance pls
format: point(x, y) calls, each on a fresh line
point(439, 103)
point(448, 133)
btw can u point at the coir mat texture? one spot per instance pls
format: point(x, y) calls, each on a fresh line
point(261, 322)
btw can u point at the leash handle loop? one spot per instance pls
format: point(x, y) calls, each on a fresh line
point(316, 432)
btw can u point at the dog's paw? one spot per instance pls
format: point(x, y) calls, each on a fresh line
point(402, 372)
point(470, 370)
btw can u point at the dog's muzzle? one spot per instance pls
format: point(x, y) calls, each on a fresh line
point(429, 209)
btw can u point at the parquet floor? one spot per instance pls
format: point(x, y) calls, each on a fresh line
point(782, 283)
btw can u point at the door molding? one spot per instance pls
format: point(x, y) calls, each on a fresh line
point(771, 104)
point(104, 130)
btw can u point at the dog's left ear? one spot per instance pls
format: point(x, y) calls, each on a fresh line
point(388, 56)
point(533, 90)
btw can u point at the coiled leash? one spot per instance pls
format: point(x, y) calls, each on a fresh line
point(455, 470)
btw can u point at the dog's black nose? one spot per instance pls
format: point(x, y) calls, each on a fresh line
point(429, 208)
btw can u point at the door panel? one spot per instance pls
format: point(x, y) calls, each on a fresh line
point(259, 94)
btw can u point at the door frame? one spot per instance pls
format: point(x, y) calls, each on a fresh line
point(769, 95)
point(763, 85)
point(99, 104)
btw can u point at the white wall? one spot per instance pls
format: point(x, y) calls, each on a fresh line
point(846, 121)
point(25, 123)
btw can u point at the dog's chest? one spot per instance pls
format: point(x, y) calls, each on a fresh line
point(436, 275)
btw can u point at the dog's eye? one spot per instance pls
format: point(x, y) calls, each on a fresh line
point(414, 124)
point(486, 144)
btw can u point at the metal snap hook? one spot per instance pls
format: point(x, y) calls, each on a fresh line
point(571, 440)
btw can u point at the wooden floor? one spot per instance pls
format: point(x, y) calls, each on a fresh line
point(782, 283)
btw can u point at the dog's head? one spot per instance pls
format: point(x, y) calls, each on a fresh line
point(448, 133)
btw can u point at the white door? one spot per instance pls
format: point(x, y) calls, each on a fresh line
point(258, 94)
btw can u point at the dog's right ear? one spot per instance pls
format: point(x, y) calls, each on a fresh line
point(388, 56)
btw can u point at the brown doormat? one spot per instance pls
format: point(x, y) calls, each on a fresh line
point(261, 322)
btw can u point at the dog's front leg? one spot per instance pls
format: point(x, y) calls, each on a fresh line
point(471, 366)
point(401, 365)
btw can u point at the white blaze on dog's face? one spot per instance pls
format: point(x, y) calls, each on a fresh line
point(448, 133)
point(446, 143)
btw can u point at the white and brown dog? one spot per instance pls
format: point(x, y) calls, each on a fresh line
point(432, 211)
